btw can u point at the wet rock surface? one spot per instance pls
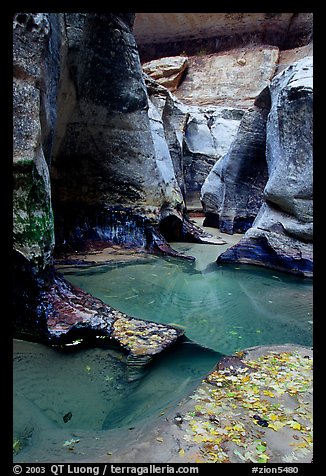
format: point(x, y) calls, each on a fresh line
point(256, 407)
point(74, 315)
point(103, 154)
point(112, 144)
point(35, 82)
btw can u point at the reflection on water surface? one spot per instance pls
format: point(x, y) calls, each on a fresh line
point(60, 395)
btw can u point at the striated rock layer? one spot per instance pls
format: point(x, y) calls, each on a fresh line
point(233, 190)
point(102, 154)
point(111, 151)
point(233, 78)
point(197, 136)
point(167, 34)
point(85, 146)
point(282, 233)
point(34, 90)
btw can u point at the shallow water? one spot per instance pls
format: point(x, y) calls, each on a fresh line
point(91, 386)
point(225, 308)
point(87, 392)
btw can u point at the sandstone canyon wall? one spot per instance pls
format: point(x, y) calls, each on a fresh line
point(36, 56)
point(169, 34)
point(232, 71)
point(90, 163)
point(281, 236)
point(110, 154)
point(102, 151)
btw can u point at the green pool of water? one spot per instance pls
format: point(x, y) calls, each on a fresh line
point(87, 393)
point(90, 388)
point(224, 308)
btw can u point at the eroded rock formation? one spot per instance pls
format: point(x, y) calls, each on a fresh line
point(167, 71)
point(113, 176)
point(167, 34)
point(102, 153)
point(36, 71)
point(233, 191)
point(34, 91)
point(282, 233)
point(230, 78)
point(107, 154)
point(197, 136)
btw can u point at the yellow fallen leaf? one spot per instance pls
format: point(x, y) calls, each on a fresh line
point(276, 425)
point(197, 439)
point(238, 427)
point(295, 425)
point(273, 417)
point(181, 452)
point(301, 444)
point(309, 439)
point(159, 439)
point(268, 393)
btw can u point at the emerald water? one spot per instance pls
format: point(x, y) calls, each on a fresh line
point(224, 308)
point(93, 384)
point(87, 392)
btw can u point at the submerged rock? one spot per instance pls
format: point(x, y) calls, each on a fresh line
point(81, 110)
point(101, 157)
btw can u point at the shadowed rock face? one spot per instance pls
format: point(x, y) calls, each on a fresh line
point(111, 150)
point(107, 133)
point(167, 34)
point(36, 58)
point(108, 150)
point(112, 163)
point(34, 91)
point(233, 191)
point(281, 235)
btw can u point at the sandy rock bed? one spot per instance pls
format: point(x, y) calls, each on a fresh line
point(255, 407)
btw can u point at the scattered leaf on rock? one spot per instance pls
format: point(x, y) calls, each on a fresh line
point(234, 405)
